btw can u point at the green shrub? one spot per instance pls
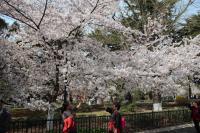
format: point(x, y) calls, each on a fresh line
point(128, 107)
point(168, 99)
point(85, 108)
point(138, 95)
point(22, 112)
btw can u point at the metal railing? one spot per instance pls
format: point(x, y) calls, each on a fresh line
point(98, 124)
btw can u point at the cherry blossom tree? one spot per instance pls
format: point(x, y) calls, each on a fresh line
point(55, 20)
point(46, 26)
point(13, 71)
point(155, 63)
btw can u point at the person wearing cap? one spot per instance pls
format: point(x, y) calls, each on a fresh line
point(67, 109)
point(5, 118)
point(68, 116)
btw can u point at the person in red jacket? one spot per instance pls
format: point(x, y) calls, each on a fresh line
point(69, 125)
point(68, 115)
point(111, 121)
point(195, 114)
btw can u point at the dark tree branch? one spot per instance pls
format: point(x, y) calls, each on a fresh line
point(79, 26)
point(127, 3)
point(44, 12)
point(12, 16)
point(76, 28)
point(20, 12)
point(190, 2)
point(94, 7)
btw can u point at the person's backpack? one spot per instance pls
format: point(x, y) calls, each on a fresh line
point(122, 120)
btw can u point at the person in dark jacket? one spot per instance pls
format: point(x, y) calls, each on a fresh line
point(195, 114)
point(116, 117)
point(5, 118)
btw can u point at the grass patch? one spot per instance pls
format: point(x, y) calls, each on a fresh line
point(95, 113)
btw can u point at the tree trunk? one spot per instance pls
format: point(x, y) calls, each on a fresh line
point(157, 105)
point(50, 117)
point(189, 89)
point(56, 85)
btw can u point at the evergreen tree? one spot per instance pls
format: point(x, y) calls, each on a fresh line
point(191, 27)
point(137, 12)
point(3, 24)
point(111, 39)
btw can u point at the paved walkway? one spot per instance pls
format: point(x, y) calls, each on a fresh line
point(187, 128)
point(183, 130)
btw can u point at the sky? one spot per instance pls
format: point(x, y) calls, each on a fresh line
point(193, 9)
point(7, 19)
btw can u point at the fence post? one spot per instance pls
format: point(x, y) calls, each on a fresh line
point(152, 113)
point(60, 125)
point(89, 124)
point(169, 118)
point(135, 121)
point(27, 124)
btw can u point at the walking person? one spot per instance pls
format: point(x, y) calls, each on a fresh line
point(115, 123)
point(5, 118)
point(110, 121)
point(68, 116)
point(195, 114)
point(69, 125)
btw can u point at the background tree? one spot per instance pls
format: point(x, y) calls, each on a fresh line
point(191, 27)
point(3, 26)
point(112, 39)
point(136, 12)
